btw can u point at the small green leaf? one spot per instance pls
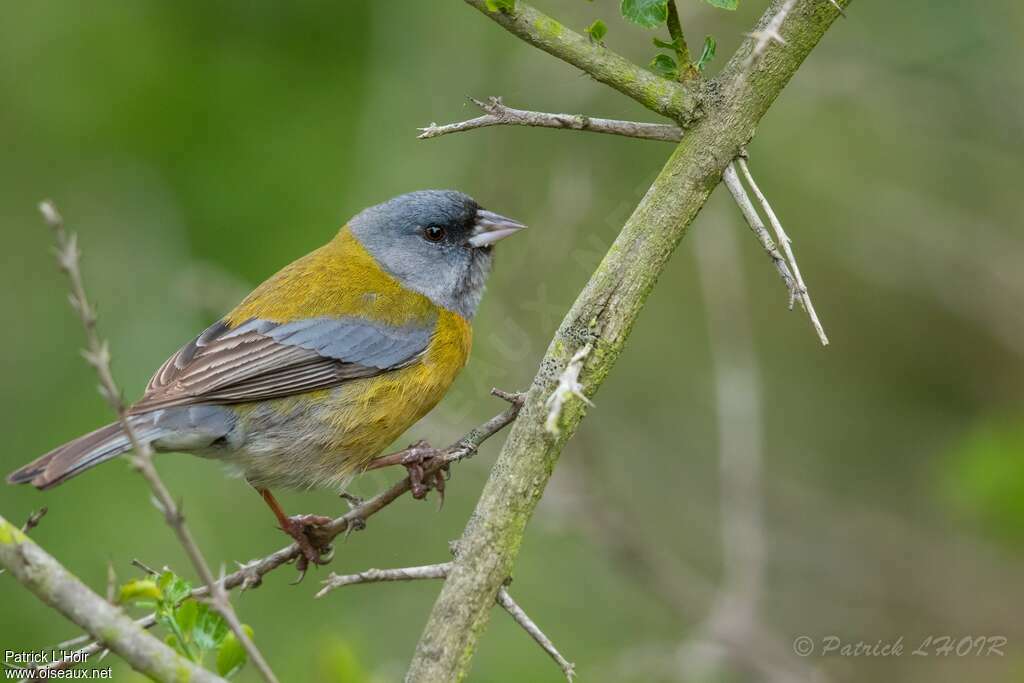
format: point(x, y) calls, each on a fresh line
point(597, 31)
point(186, 616)
point(664, 65)
point(707, 54)
point(140, 589)
point(210, 629)
point(664, 45)
point(724, 4)
point(647, 13)
point(175, 588)
point(500, 5)
point(231, 656)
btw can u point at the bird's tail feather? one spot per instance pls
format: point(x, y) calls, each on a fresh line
point(89, 450)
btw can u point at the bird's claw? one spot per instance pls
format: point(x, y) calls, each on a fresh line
point(299, 527)
point(420, 453)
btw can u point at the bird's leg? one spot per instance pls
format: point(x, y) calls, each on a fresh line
point(298, 527)
point(414, 459)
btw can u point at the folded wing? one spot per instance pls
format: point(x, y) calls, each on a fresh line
point(260, 360)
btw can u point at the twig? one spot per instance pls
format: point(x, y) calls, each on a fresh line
point(31, 523)
point(524, 620)
point(496, 113)
point(429, 571)
point(675, 31)
point(33, 519)
point(440, 571)
point(56, 586)
point(787, 247)
point(739, 193)
point(97, 354)
point(678, 101)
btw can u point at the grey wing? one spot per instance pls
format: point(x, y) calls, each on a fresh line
point(260, 360)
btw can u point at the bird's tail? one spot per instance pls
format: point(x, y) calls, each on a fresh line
point(89, 450)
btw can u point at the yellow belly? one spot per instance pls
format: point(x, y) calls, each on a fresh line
point(322, 438)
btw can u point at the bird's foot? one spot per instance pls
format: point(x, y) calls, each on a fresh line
point(418, 456)
point(312, 550)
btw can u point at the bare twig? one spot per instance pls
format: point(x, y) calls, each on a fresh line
point(524, 620)
point(496, 113)
point(739, 193)
point(429, 571)
point(440, 571)
point(787, 247)
point(97, 354)
point(33, 519)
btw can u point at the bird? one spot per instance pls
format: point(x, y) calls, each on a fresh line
point(323, 365)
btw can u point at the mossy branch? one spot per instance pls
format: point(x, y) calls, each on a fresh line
point(677, 101)
point(38, 571)
point(601, 317)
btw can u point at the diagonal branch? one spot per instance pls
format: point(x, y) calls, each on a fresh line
point(496, 113)
point(602, 316)
point(38, 571)
point(440, 571)
point(679, 102)
point(97, 354)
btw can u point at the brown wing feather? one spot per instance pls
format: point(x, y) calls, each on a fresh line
point(225, 366)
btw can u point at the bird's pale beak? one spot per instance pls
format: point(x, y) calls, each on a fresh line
point(491, 227)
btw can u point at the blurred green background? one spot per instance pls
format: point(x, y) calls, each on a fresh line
point(199, 146)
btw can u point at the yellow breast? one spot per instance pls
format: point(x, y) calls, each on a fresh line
point(362, 417)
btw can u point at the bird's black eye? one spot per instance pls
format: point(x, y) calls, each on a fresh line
point(433, 233)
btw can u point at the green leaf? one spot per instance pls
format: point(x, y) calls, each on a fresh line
point(597, 31)
point(186, 616)
point(140, 589)
point(707, 54)
point(647, 13)
point(174, 588)
point(500, 5)
point(724, 4)
point(210, 629)
point(664, 65)
point(231, 656)
point(664, 45)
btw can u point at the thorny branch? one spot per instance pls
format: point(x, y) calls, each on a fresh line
point(787, 247)
point(496, 113)
point(788, 269)
point(771, 32)
point(720, 117)
point(440, 571)
point(97, 354)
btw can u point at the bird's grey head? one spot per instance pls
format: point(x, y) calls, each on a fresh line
point(435, 242)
